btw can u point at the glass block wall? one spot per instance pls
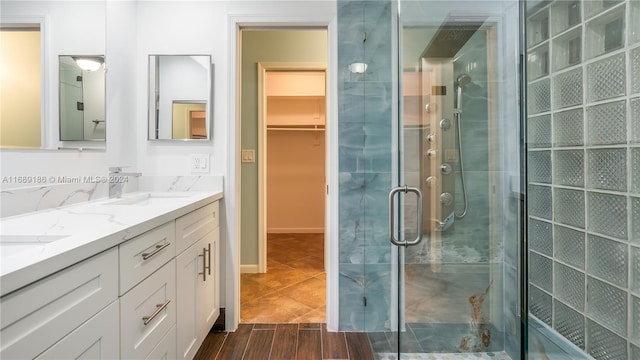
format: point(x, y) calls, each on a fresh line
point(583, 134)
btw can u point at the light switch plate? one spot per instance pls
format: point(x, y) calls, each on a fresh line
point(199, 163)
point(248, 155)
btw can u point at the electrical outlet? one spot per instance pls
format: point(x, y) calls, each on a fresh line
point(200, 163)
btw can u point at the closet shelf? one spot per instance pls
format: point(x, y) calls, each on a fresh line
point(295, 127)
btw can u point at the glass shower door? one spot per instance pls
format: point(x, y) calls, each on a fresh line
point(456, 212)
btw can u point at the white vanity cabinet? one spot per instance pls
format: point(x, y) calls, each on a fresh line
point(61, 314)
point(154, 296)
point(198, 279)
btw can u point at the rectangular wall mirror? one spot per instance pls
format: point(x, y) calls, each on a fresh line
point(180, 97)
point(39, 92)
point(82, 98)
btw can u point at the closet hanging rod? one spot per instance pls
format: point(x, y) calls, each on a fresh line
point(297, 127)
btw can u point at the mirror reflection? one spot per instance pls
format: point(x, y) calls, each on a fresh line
point(189, 119)
point(179, 97)
point(82, 98)
point(20, 117)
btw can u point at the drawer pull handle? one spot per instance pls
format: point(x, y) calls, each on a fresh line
point(159, 308)
point(206, 269)
point(146, 256)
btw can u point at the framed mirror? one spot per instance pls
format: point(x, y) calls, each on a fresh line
point(33, 36)
point(82, 97)
point(180, 97)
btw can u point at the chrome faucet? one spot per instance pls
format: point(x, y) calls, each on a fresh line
point(116, 179)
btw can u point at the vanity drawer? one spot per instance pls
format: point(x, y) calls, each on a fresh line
point(95, 339)
point(144, 254)
point(36, 317)
point(152, 301)
point(193, 226)
point(166, 348)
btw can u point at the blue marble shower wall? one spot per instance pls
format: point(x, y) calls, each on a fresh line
point(469, 243)
point(365, 162)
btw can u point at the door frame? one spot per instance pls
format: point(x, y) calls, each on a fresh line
point(232, 191)
point(263, 67)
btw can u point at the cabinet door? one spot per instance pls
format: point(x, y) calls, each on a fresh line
point(208, 292)
point(95, 339)
point(190, 265)
point(36, 317)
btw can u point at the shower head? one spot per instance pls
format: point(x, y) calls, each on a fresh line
point(463, 80)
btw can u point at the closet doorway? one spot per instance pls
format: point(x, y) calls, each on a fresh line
point(292, 116)
point(291, 197)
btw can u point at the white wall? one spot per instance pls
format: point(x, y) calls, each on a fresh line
point(180, 27)
point(199, 27)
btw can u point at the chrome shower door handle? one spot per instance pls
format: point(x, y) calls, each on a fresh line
point(392, 194)
point(392, 214)
point(418, 193)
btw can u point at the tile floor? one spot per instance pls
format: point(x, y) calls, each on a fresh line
point(293, 290)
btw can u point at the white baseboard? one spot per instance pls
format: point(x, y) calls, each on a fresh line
point(319, 230)
point(249, 269)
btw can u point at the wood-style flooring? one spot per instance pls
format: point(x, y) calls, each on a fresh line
point(282, 311)
point(293, 290)
point(305, 341)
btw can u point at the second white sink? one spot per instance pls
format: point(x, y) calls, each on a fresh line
point(29, 239)
point(147, 198)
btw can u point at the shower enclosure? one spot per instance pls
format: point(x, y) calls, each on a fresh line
point(459, 144)
point(489, 177)
point(430, 176)
point(430, 231)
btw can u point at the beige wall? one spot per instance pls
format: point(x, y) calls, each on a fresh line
point(295, 157)
point(20, 90)
point(283, 111)
point(265, 46)
point(295, 181)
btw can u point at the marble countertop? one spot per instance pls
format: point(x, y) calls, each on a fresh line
point(34, 245)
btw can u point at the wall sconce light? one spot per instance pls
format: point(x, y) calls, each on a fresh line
point(89, 63)
point(358, 68)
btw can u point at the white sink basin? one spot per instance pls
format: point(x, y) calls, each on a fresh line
point(14, 244)
point(29, 239)
point(147, 198)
